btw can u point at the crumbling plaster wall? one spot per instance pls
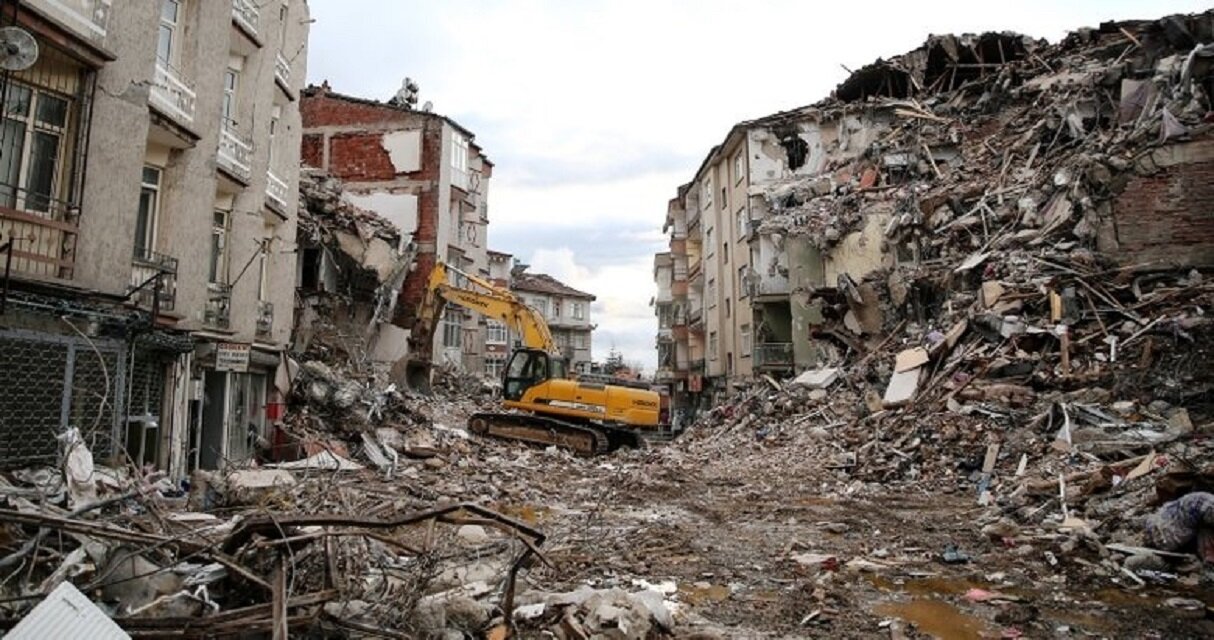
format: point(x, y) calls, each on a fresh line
point(859, 253)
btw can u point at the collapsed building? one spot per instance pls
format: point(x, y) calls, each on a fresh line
point(423, 173)
point(967, 160)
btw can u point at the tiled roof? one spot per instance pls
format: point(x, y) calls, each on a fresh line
point(544, 283)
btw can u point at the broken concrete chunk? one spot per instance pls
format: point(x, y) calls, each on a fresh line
point(991, 292)
point(902, 388)
point(818, 378)
point(910, 359)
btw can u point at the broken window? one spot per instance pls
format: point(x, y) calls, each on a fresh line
point(742, 284)
point(556, 309)
point(712, 345)
point(797, 151)
point(744, 330)
point(310, 261)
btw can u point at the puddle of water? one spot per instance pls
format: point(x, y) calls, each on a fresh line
point(935, 586)
point(936, 618)
point(693, 595)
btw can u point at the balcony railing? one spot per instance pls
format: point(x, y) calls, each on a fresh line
point(282, 70)
point(171, 95)
point(777, 287)
point(276, 190)
point(218, 312)
point(43, 231)
point(246, 13)
point(235, 151)
point(773, 355)
point(144, 266)
point(91, 16)
point(265, 318)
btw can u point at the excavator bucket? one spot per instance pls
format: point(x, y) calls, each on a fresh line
point(417, 376)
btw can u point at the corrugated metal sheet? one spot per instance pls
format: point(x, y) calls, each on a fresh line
point(68, 614)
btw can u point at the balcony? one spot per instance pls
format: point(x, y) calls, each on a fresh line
point(770, 287)
point(265, 319)
point(246, 14)
point(172, 96)
point(145, 265)
point(43, 231)
point(235, 152)
point(282, 71)
point(773, 355)
point(89, 18)
point(218, 313)
point(276, 191)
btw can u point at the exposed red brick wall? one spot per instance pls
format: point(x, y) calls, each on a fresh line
point(360, 157)
point(1168, 217)
point(312, 152)
point(320, 110)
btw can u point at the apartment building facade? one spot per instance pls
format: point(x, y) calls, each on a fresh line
point(424, 173)
point(148, 206)
point(566, 309)
point(498, 340)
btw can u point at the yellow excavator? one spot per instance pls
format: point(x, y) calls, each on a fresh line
point(543, 404)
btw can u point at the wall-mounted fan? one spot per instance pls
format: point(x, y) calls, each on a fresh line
point(18, 49)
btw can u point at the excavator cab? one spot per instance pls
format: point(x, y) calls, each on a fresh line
point(527, 368)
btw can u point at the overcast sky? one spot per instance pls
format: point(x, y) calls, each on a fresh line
point(594, 112)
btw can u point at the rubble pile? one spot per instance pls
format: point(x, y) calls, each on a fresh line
point(998, 350)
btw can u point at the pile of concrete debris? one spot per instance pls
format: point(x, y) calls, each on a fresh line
point(999, 350)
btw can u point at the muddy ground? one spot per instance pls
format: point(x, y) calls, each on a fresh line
point(728, 531)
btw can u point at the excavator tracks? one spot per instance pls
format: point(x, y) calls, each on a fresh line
point(582, 439)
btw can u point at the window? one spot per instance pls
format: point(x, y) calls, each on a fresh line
point(582, 340)
point(707, 191)
point(743, 285)
point(711, 292)
point(738, 165)
point(541, 305)
point(263, 269)
point(729, 363)
point(708, 240)
point(149, 209)
point(218, 270)
point(230, 80)
point(724, 204)
point(745, 331)
point(283, 11)
point(166, 47)
point(725, 253)
point(495, 332)
point(459, 161)
point(453, 330)
point(556, 309)
point(579, 311)
point(726, 307)
point(493, 367)
point(31, 147)
point(310, 261)
point(742, 220)
point(275, 120)
point(712, 345)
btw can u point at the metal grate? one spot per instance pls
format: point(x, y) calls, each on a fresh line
point(51, 382)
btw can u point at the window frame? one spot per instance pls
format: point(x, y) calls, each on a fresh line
point(151, 226)
point(173, 28)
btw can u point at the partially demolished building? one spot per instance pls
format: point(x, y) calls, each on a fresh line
point(819, 232)
point(144, 234)
point(424, 174)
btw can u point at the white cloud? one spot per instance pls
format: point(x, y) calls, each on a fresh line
point(595, 111)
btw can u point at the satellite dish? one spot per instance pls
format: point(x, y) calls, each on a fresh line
point(18, 49)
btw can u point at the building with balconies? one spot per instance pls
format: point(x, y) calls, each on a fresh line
point(148, 208)
point(566, 309)
point(422, 172)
